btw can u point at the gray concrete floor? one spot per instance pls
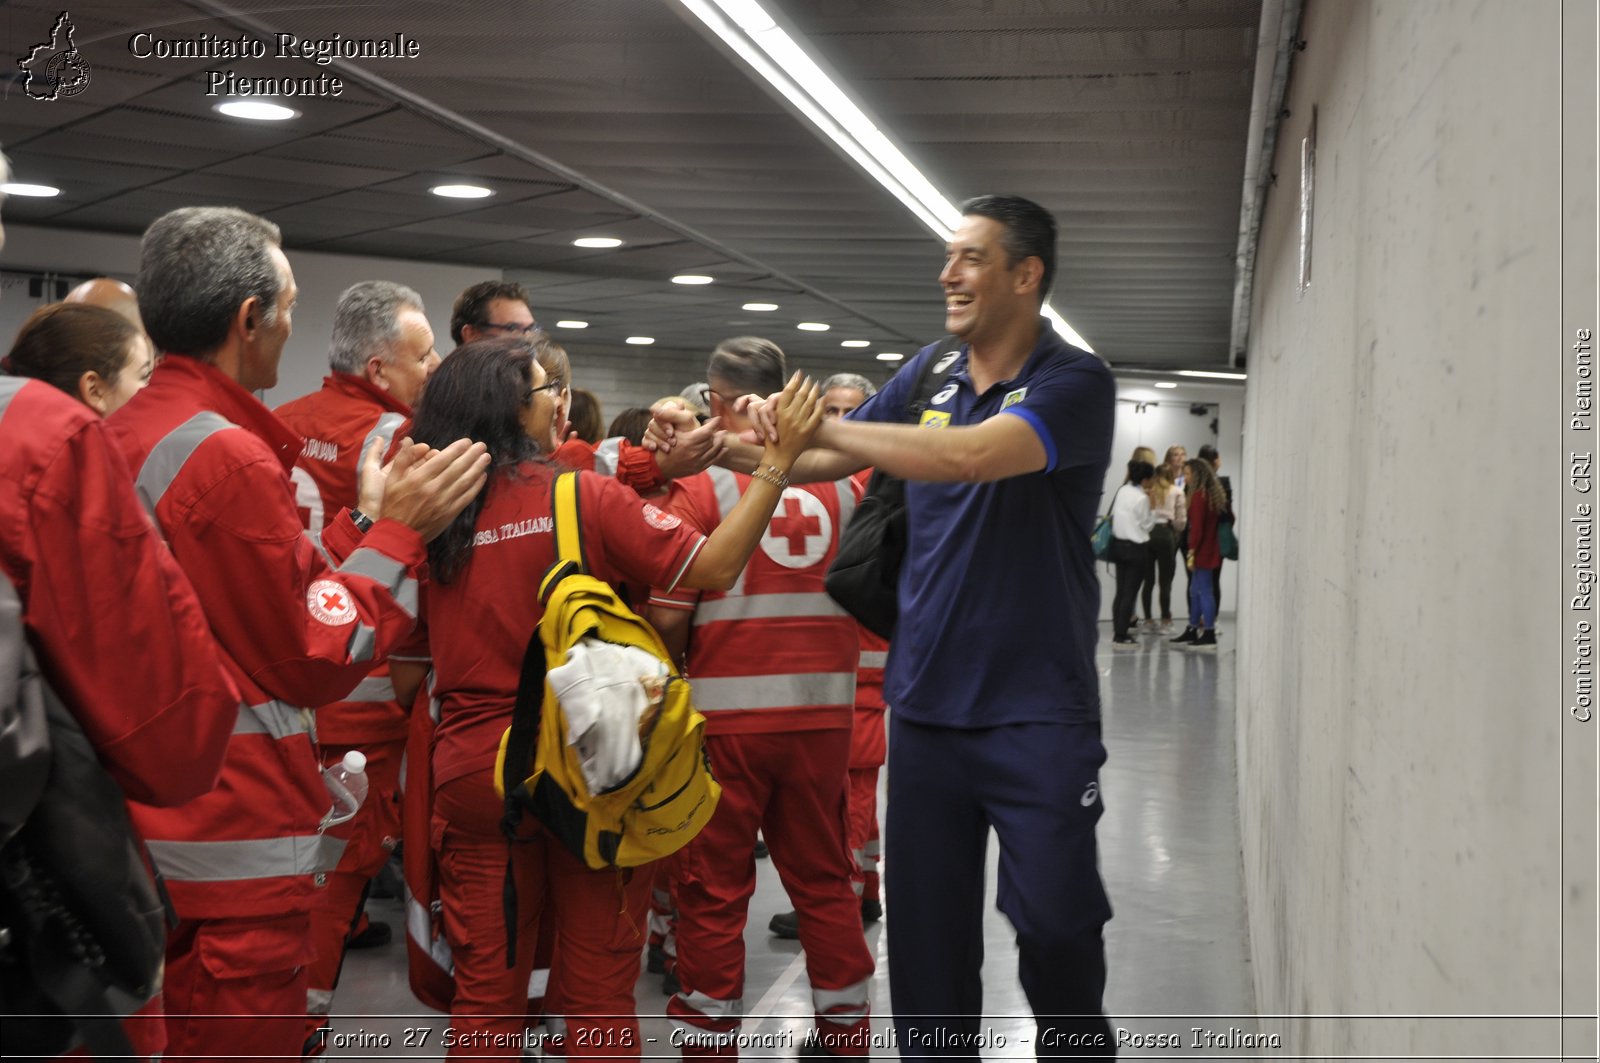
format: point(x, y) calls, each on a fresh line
point(1176, 949)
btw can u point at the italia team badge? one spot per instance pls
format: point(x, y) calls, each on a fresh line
point(330, 603)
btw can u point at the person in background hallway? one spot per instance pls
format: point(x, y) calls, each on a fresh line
point(1207, 505)
point(1208, 454)
point(380, 356)
point(108, 294)
point(482, 606)
point(244, 863)
point(991, 674)
point(1171, 516)
point(583, 416)
point(842, 393)
point(1147, 578)
point(91, 353)
point(1131, 521)
point(493, 308)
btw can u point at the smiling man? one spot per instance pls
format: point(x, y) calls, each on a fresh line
point(991, 671)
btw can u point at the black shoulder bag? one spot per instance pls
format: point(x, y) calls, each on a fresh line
point(865, 574)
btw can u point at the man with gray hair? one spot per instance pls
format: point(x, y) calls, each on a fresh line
point(245, 862)
point(380, 357)
point(843, 392)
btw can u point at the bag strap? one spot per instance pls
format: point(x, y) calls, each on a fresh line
point(528, 712)
point(928, 381)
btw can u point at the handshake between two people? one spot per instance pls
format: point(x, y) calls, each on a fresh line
point(784, 422)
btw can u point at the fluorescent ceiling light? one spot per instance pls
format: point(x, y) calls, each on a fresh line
point(18, 188)
point(597, 241)
point(640, 341)
point(257, 110)
point(692, 278)
point(889, 356)
point(753, 34)
point(856, 343)
point(1213, 376)
point(812, 326)
point(760, 307)
point(1166, 384)
point(461, 191)
point(572, 324)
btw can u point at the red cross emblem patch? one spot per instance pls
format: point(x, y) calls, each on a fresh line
point(330, 603)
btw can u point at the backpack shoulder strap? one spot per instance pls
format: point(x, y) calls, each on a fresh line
point(567, 517)
point(929, 381)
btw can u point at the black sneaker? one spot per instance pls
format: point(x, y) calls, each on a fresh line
point(1189, 635)
point(1207, 641)
point(655, 959)
point(871, 910)
point(376, 935)
point(761, 849)
point(670, 986)
point(786, 925)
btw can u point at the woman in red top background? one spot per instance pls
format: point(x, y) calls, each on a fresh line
point(482, 606)
point(1208, 503)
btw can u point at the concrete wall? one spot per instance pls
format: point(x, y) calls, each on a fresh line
point(1399, 698)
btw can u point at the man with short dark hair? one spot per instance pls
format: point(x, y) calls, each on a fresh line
point(492, 308)
point(244, 862)
point(380, 357)
point(991, 674)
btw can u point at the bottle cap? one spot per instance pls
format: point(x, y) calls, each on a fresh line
point(355, 762)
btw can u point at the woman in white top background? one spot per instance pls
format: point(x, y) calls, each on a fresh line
point(1131, 520)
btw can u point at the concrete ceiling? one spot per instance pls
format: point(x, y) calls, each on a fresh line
point(1127, 118)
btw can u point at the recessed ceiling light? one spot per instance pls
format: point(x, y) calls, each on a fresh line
point(461, 191)
point(889, 356)
point(640, 341)
point(692, 278)
point(1166, 384)
point(760, 307)
point(572, 324)
point(17, 188)
point(1212, 376)
point(597, 241)
point(812, 326)
point(856, 343)
point(257, 110)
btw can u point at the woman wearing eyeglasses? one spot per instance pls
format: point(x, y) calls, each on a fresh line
point(482, 606)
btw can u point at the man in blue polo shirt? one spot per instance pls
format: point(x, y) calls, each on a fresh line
point(991, 678)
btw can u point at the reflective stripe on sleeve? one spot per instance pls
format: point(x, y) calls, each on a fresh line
point(251, 859)
point(683, 570)
point(842, 1007)
point(275, 718)
point(805, 690)
point(373, 688)
point(365, 561)
point(874, 658)
point(363, 644)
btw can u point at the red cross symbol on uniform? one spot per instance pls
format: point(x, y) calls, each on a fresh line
point(795, 526)
point(333, 602)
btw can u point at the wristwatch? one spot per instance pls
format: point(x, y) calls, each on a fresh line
point(362, 521)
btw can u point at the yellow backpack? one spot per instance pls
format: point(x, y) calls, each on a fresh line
point(666, 801)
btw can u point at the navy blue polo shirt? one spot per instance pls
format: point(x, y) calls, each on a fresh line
point(998, 597)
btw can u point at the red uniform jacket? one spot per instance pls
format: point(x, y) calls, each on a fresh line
point(212, 465)
point(336, 425)
point(773, 653)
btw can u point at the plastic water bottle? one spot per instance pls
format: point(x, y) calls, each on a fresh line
point(347, 785)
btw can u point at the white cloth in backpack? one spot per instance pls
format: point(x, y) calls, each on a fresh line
point(603, 695)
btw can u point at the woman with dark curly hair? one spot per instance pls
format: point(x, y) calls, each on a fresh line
point(1207, 504)
point(482, 606)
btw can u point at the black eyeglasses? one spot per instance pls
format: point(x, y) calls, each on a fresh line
point(513, 329)
point(552, 386)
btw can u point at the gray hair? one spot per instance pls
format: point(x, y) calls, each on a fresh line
point(366, 322)
point(197, 266)
point(849, 380)
point(748, 363)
